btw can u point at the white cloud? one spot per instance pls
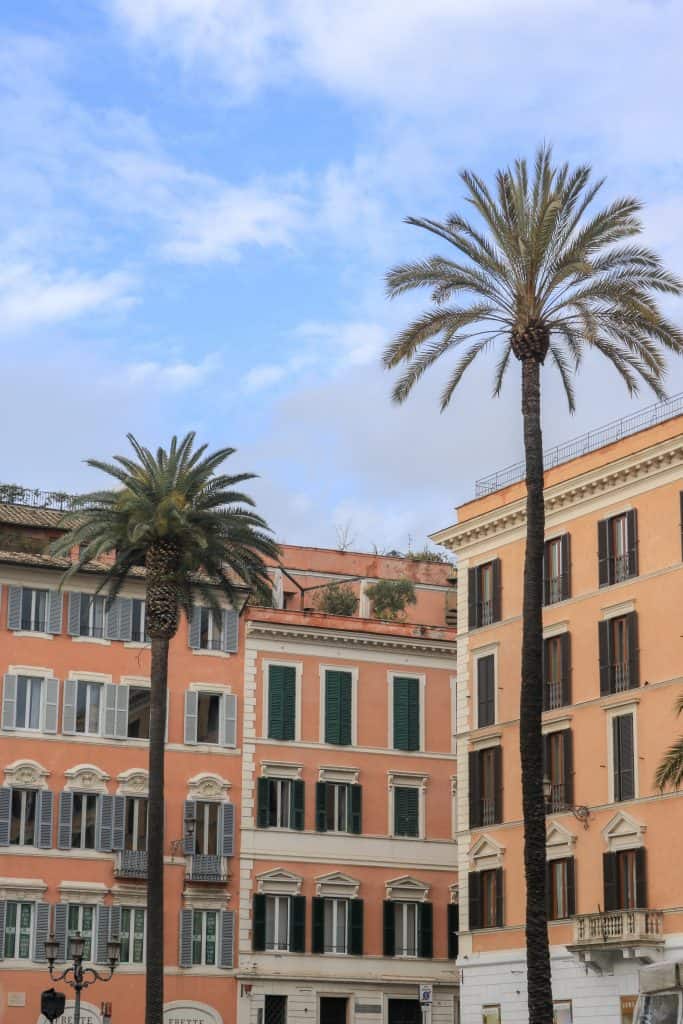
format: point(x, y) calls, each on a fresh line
point(346, 344)
point(177, 376)
point(31, 298)
point(264, 376)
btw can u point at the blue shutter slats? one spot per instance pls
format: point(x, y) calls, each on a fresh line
point(5, 814)
point(230, 630)
point(40, 931)
point(191, 701)
point(105, 823)
point(44, 819)
point(195, 628)
point(50, 710)
point(227, 829)
point(9, 702)
point(102, 935)
point(60, 921)
point(74, 613)
point(185, 936)
point(229, 720)
point(118, 830)
point(226, 936)
point(14, 608)
point(54, 611)
point(69, 706)
point(66, 803)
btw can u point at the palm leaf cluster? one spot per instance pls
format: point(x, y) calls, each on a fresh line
point(670, 770)
point(540, 262)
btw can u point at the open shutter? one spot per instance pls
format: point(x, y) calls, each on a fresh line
point(40, 931)
point(453, 922)
point(227, 938)
point(258, 932)
point(194, 635)
point(54, 611)
point(623, 756)
point(5, 815)
point(50, 709)
point(605, 643)
point(122, 694)
point(356, 811)
point(475, 789)
point(406, 713)
point(189, 814)
point(105, 823)
point(118, 831)
point(500, 913)
point(74, 613)
point(609, 877)
point(111, 621)
point(604, 566)
point(9, 702)
point(227, 829)
point(571, 887)
point(486, 698)
point(297, 809)
point(641, 878)
point(44, 819)
point(425, 930)
point(632, 535)
point(633, 650)
point(472, 597)
point(3, 914)
point(115, 922)
point(230, 630)
point(356, 927)
point(66, 806)
point(497, 590)
point(102, 934)
point(320, 807)
point(185, 936)
point(69, 706)
point(191, 701)
point(60, 922)
point(297, 924)
point(317, 925)
point(565, 554)
point(126, 618)
point(566, 661)
point(389, 939)
point(263, 800)
point(475, 899)
point(109, 729)
point(498, 783)
point(229, 720)
point(14, 608)
point(332, 707)
point(568, 752)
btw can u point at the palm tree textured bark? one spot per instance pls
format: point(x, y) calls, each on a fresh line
point(155, 833)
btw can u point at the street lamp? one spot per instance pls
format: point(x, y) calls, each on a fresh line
point(580, 811)
point(76, 975)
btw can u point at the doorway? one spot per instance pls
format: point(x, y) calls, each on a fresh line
point(332, 1010)
point(275, 1010)
point(405, 1011)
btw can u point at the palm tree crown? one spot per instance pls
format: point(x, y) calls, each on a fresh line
point(543, 277)
point(670, 770)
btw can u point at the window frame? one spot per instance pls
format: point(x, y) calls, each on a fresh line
point(90, 937)
point(403, 950)
point(211, 695)
point(139, 605)
point(277, 786)
point(559, 865)
point(28, 702)
point(208, 614)
point(133, 912)
point(85, 801)
point(622, 711)
point(91, 607)
point(89, 684)
point(136, 802)
point(207, 810)
point(136, 687)
point(34, 591)
point(24, 795)
point(481, 655)
point(19, 905)
point(334, 903)
point(204, 936)
point(336, 788)
point(277, 900)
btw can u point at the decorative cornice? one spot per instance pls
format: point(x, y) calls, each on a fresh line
point(279, 882)
point(406, 888)
point(22, 888)
point(83, 892)
point(26, 774)
point(337, 884)
point(339, 638)
point(133, 782)
point(86, 778)
point(207, 786)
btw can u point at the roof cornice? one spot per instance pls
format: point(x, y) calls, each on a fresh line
point(341, 638)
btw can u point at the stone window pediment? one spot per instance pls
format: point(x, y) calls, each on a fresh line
point(133, 782)
point(280, 770)
point(26, 774)
point(415, 779)
point(86, 778)
point(83, 892)
point(407, 888)
point(337, 884)
point(623, 833)
point(559, 842)
point(279, 883)
point(28, 889)
point(486, 854)
point(330, 774)
point(207, 786)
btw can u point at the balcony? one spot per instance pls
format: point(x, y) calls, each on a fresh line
point(553, 694)
point(203, 867)
point(558, 799)
point(617, 934)
point(131, 864)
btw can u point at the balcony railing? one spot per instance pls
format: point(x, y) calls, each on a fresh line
point(553, 694)
point(558, 799)
point(621, 677)
point(553, 589)
point(616, 927)
point(205, 867)
point(485, 613)
point(623, 567)
point(488, 812)
point(131, 864)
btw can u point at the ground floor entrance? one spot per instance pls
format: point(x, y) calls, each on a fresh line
point(404, 1011)
point(275, 1010)
point(333, 1010)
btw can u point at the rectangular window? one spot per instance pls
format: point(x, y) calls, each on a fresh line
point(281, 702)
point(204, 933)
point(558, 769)
point(559, 886)
point(406, 708)
point(139, 705)
point(623, 757)
point(29, 697)
point(618, 548)
point(338, 698)
point(336, 926)
point(92, 615)
point(556, 672)
point(83, 818)
point(132, 935)
point(135, 837)
point(405, 929)
point(556, 570)
point(210, 625)
point(337, 807)
point(88, 707)
point(489, 882)
point(34, 610)
point(619, 656)
point(406, 811)
point(484, 594)
point(208, 717)
point(486, 786)
point(18, 921)
point(138, 629)
point(81, 919)
point(627, 879)
point(486, 692)
point(23, 824)
point(206, 828)
point(279, 803)
point(277, 922)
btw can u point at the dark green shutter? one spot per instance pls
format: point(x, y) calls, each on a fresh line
point(475, 789)
point(281, 702)
point(263, 801)
point(338, 691)
point(623, 751)
point(609, 878)
point(258, 932)
point(297, 806)
point(389, 943)
point(566, 662)
point(486, 697)
point(475, 899)
point(604, 560)
point(297, 924)
point(548, 889)
point(605, 644)
point(500, 915)
point(356, 809)
point(473, 598)
point(425, 930)
point(568, 752)
point(453, 922)
point(565, 545)
point(641, 878)
point(571, 887)
point(497, 590)
point(498, 783)
point(318, 925)
point(406, 713)
point(632, 541)
point(356, 927)
point(321, 806)
point(406, 811)
point(633, 652)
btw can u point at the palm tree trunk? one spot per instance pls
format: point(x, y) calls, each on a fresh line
point(540, 998)
point(155, 835)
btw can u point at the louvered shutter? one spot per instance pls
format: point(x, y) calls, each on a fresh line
point(109, 728)
point(60, 921)
point(475, 789)
point(566, 661)
point(388, 931)
point(497, 590)
point(227, 829)
point(604, 561)
point(406, 713)
point(623, 756)
point(50, 708)
point(112, 619)
point(3, 915)
point(102, 935)
point(297, 807)
point(105, 823)
point(473, 597)
point(453, 922)
point(633, 650)
point(125, 617)
point(189, 839)
point(118, 831)
point(258, 930)
point(332, 707)
point(632, 534)
point(565, 549)
point(500, 912)
point(297, 924)
point(609, 877)
point(406, 811)
point(185, 939)
point(115, 923)
point(486, 707)
point(191, 702)
point(356, 815)
point(356, 927)
point(69, 706)
point(5, 815)
point(571, 887)
point(229, 720)
point(321, 806)
point(66, 805)
point(54, 611)
point(281, 702)
point(14, 608)
point(548, 889)
point(9, 702)
point(475, 899)
point(568, 757)
point(498, 784)
point(230, 630)
point(194, 636)
point(40, 931)
point(45, 803)
point(227, 938)
point(641, 878)
point(605, 644)
point(74, 613)
point(425, 930)
point(263, 801)
point(122, 696)
point(317, 925)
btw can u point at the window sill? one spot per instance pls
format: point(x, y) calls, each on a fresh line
point(213, 654)
point(100, 640)
point(137, 644)
point(34, 634)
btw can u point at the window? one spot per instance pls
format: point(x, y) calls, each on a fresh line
point(336, 926)
point(486, 898)
point(29, 698)
point(281, 702)
point(92, 615)
point(556, 672)
point(206, 828)
point(280, 803)
point(556, 570)
point(406, 713)
point(208, 717)
point(138, 629)
point(132, 935)
point(213, 629)
point(23, 824)
point(83, 819)
point(277, 922)
point(88, 707)
point(338, 807)
point(559, 769)
point(338, 699)
point(560, 888)
point(81, 919)
point(139, 705)
point(618, 548)
point(625, 878)
point(486, 787)
point(209, 630)
point(135, 837)
point(484, 594)
point(406, 811)
point(408, 928)
point(619, 662)
point(623, 757)
point(204, 936)
point(486, 692)
point(18, 921)
point(405, 929)
point(211, 717)
point(34, 606)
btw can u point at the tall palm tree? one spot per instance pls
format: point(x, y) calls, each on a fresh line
point(195, 534)
point(670, 770)
point(540, 276)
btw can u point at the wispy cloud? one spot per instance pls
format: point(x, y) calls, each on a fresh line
point(174, 376)
point(31, 298)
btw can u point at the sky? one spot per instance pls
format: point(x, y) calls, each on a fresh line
point(200, 199)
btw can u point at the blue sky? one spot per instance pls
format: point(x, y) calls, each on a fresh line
point(200, 199)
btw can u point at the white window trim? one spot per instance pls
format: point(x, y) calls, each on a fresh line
point(90, 677)
point(486, 854)
point(623, 832)
point(555, 628)
point(86, 778)
point(277, 897)
point(128, 895)
point(491, 739)
point(331, 774)
point(139, 964)
point(477, 655)
point(557, 725)
point(280, 770)
point(88, 893)
point(422, 683)
point(208, 786)
point(31, 670)
point(404, 904)
point(559, 842)
point(279, 882)
point(138, 681)
point(616, 611)
point(322, 670)
point(337, 886)
point(26, 774)
point(408, 780)
point(617, 711)
point(407, 888)
point(299, 671)
point(219, 688)
point(23, 890)
point(196, 898)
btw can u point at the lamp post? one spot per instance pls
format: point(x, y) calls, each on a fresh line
point(78, 976)
point(580, 811)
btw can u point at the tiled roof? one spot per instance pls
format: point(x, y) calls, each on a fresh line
point(25, 515)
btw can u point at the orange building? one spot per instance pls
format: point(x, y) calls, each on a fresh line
point(613, 656)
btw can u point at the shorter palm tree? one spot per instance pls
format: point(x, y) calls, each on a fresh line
point(670, 770)
point(195, 534)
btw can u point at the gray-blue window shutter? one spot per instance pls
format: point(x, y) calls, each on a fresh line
point(66, 807)
point(40, 931)
point(109, 728)
point(191, 699)
point(54, 611)
point(227, 936)
point(229, 724)
point(102, 935)
point(121, 730)
point(74, 613)
point(60, 920)
point(14, 608)
point(185, 952)
point(113, 619)
point(44, 816)
point(105, 823)
point(230, 630)
point(118, 831)
point(3, 911)
point(115, 922)
point(125, 618)
point(69, 706)
point(227, 829)
point(189, 811)
point(5, 815)
point(9, 702)
point(50, 705)
point(195, 630)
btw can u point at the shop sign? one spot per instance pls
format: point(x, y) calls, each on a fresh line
point(183, 1011)
point(89, 1014)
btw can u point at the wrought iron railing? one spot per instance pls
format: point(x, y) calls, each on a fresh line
point(622, 677)
point(204, 867)
point(615, 926)
point(553, 694)
point(131, 864)
point(589, 442)
point(488, 811)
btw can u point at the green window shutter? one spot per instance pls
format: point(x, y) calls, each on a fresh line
point(318, 925)
point(500, 914)
point(453, 930)
point(263, 800)
point(389, 943)
point(406, 811)
point(406, 713)
point(425, 930)
point(297, 924)
point(258, 932)
point(281, 702)
point(356, 809)
point(297, 805)
point(338, 691)
point(356, 927)
point(321, 806)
